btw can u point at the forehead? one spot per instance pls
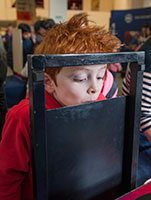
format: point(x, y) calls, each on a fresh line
point(85, 68)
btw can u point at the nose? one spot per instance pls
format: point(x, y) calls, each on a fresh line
point(92, 89)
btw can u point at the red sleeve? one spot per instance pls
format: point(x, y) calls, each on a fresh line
point(14, 153)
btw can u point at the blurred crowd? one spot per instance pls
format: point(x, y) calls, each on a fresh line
point(134, 39)
point(32, 35)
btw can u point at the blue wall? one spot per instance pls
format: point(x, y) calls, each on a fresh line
point(129, 20)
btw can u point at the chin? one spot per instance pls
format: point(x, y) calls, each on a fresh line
point(74, 104)
point(90, 101)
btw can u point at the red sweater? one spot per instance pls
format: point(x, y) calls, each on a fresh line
point(15, 152)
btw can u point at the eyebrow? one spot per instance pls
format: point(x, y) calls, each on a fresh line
point(84, 68)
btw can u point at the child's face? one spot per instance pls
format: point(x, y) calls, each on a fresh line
point(26, 35)
point(78, 85)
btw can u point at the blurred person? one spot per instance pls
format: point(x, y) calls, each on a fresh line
point(131, 40)
point(27, 45)
point(48, 23)
point(41, 27)
point(3, 105)
point(143, 31)
point(74, 6)
point(142, 39)
point(3, 72)
point(148, 31)
point(7, 36)
point(3, 52)
point(39, 31)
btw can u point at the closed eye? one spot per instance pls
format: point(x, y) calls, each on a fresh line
point(80, 80)
point(99, 78)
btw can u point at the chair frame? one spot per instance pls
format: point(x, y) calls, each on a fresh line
point(37, 65)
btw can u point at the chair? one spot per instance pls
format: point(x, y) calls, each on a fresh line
point(15, 89)
point(89, 151)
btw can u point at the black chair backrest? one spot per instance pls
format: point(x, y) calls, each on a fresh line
point(87, 151)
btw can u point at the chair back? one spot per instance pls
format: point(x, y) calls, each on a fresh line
point(88, 151)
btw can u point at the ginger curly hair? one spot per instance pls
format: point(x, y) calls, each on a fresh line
point(75, 37)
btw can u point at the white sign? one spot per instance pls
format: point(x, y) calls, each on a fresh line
point(58, 10)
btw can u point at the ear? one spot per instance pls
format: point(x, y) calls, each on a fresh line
point(49, 84)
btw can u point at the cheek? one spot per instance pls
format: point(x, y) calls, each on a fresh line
point(74, 90)
point(71, 93)
point(101, 83)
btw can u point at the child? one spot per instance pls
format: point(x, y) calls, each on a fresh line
point(27, 45)
point(64, 87)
